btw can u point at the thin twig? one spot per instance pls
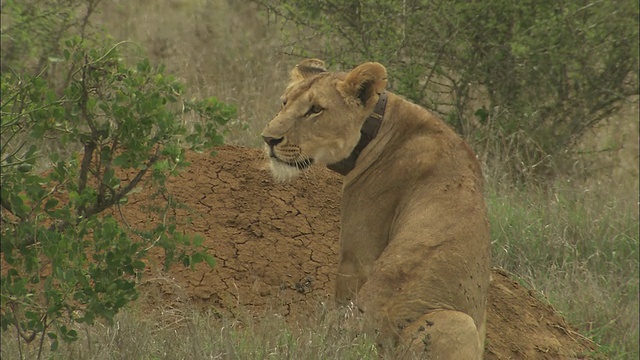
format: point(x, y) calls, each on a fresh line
point(44, 330)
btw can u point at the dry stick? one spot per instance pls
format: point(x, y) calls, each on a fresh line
point(18, 108)
point(85, 21)
point(99, 208)
point(27, 339)
point(19, 343)
point(112, 151)
point(7, 206)
point(90, 145)
point(44, 329)
point(51, 192)
point(86, 329)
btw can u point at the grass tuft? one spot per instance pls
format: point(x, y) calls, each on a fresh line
point(579, 248)
point(136, 334)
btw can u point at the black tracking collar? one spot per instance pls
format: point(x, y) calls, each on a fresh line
point(367, 133)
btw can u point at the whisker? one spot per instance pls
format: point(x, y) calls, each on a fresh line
point(303, 164)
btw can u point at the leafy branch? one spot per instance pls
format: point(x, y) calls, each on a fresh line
point(70, 133)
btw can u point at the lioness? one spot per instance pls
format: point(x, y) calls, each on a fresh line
point(414, 241)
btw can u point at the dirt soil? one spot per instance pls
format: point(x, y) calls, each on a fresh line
point(276, 247)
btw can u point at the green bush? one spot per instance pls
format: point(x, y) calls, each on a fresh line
point(523, 80)
point(71, 127)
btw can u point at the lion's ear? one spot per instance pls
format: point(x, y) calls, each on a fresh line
point(365, 81)
point(306, 68)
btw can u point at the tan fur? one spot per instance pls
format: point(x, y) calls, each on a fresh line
point(414, 244)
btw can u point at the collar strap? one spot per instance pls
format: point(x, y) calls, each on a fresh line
point(367, 133)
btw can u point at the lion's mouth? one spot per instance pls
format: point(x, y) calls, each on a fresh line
point(298, 164)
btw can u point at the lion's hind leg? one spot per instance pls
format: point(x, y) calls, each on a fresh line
point(443, 335)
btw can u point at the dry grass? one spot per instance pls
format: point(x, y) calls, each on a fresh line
point(219, 48)
point(189, 333)
point(579, 248)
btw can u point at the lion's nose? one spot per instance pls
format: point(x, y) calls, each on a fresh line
point(272, 141)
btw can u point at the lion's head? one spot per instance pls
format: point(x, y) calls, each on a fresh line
point(321, 116)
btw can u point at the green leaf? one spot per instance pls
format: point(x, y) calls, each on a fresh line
point(209, 259)
point(38, 131)
point(50, 96)
point(24, 168)
point(196, 259)
point(162, 165)
point(122, 160)
point(198, 240)
point(31, 315)
point(50, 204)
point(108, 177)
point(73, 196)
point(139, 265)
point(17, 205)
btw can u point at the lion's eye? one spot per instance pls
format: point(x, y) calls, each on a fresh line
point(284, 102)
point(315, 109)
